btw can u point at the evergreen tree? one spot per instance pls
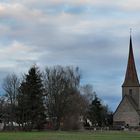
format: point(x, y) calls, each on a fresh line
point(95, 110)
point(31, 108)
point(99, 114)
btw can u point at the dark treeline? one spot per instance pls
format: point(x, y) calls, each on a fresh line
point(52, 99)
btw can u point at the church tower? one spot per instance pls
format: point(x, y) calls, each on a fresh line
point(131, 84)
point(128, 111)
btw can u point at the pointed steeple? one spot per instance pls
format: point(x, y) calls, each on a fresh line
point(131, 78)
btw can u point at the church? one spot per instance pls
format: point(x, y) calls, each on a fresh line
point(128, 111)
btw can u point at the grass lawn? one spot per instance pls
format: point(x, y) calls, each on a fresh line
point(70, 136)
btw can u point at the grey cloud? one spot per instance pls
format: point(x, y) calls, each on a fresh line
point(79, 35)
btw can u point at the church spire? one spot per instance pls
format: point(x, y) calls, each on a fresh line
point(131, 78)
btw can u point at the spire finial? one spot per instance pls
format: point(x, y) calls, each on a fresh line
point(130, 31)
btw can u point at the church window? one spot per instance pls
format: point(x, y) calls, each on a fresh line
point(130, 92)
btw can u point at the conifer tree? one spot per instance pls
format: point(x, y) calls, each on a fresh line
point(98, 113)
point(31, 100)
point(95, 112)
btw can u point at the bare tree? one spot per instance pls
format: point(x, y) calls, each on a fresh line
point(88, 93)
point(60, 84)
point(11, 86)
point(2, 109)
point(75, 110)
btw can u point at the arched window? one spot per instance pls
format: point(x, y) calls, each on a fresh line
point(130, 92)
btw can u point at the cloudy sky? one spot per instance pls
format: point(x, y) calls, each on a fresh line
point(91, 34)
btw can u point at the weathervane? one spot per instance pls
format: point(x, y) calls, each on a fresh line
point(130, 31)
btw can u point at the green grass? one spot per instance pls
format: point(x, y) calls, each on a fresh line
point(70, 136)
